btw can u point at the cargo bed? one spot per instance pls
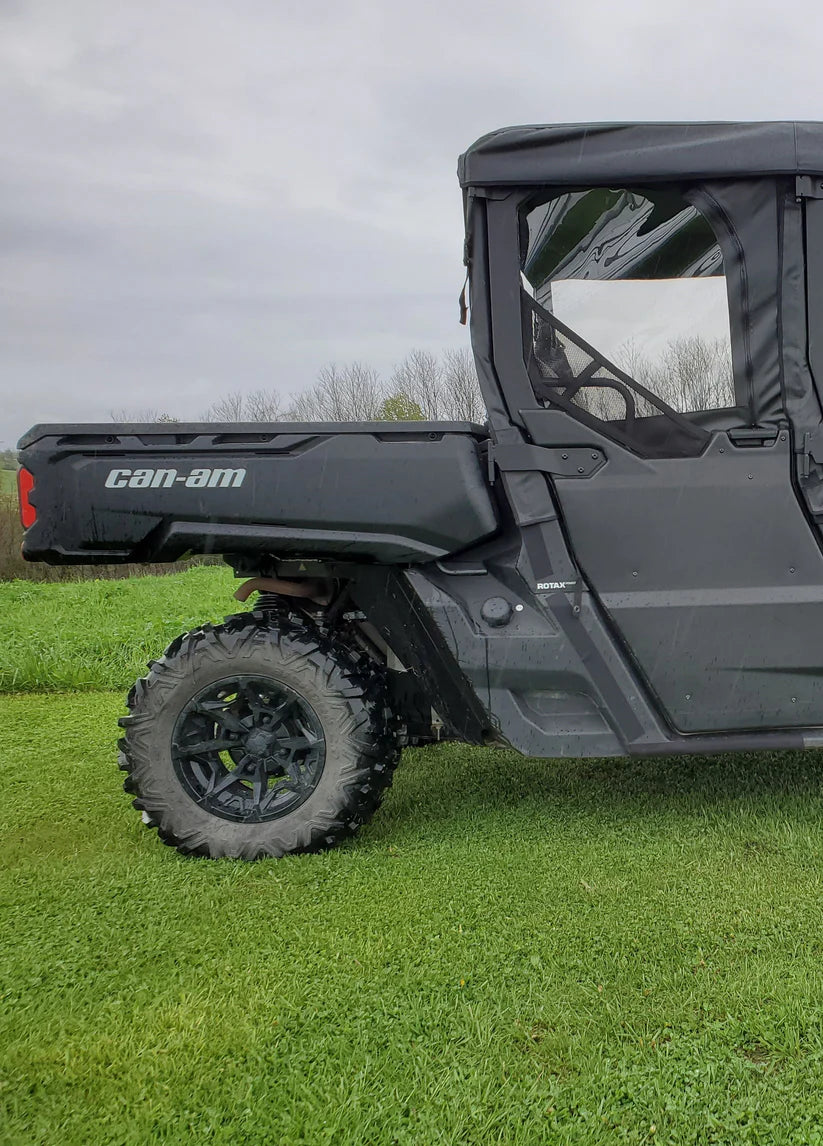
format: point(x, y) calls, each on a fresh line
point(391, 492)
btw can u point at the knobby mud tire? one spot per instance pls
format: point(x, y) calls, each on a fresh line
point(346, 692)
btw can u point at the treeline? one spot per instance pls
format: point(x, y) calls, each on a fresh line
point(691, 373)
point(424, 386)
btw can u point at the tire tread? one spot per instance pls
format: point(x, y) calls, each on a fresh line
point(368, 727)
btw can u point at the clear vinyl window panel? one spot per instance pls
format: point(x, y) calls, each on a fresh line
point(625, 308)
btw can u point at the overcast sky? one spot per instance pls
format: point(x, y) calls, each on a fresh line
point(199, 196)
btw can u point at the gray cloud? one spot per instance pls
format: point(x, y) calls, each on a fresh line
point(197, 197)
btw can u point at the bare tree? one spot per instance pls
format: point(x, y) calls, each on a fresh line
point(351, 393)
point(264, 406)
point(692, 373)
point(258, 406)
point(147, 414)
point(698, 374)
point(229, 408)
point(444, 387)
point(420, 377)
point(637, 364)
point(462, 400)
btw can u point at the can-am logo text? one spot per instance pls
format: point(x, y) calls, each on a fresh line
point(167, 478)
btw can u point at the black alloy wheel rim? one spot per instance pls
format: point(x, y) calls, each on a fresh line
point(248, 749)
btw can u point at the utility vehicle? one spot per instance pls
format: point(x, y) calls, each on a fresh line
point(626, 559)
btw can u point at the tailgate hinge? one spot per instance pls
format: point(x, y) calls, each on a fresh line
point(567, 462)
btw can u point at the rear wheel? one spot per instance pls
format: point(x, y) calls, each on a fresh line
point(258, 737)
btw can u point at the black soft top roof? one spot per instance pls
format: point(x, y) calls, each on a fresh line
point(572, 153)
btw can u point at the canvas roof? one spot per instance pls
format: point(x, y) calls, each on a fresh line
point(606, 153)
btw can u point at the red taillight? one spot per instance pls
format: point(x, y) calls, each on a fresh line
point(25, 484)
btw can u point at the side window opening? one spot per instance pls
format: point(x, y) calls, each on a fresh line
point(625, 315)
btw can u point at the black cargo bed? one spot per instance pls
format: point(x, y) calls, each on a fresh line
point(391, 492)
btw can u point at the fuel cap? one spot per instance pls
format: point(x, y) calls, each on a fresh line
point(496, 612)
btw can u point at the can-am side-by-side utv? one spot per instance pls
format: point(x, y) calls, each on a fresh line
point(627, 559)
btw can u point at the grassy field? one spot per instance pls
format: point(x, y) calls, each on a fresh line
point(514, 951)
point(8, 481)
point(99, 634)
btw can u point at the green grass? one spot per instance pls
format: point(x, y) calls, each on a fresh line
point(514, 951)
point(100, 634)
point(8, 481)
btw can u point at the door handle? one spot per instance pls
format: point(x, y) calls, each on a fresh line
point(752, 435)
